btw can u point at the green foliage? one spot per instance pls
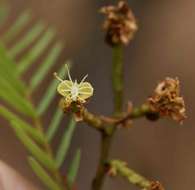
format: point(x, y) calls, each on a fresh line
point(18, 107)
point(34, 133)
point(31, 35)
point(73, 169)
point(65, 143)
point(42, 174)
point(17, 26)
point(33, 148)
point(53, 127)
point(35, 51)
point(4, 10)
point(44, 68)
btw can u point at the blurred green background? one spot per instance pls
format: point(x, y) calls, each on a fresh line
point(163, 46)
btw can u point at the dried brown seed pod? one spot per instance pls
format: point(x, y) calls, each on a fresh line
point(156, 185)
point(167, 101)
point(120, 24)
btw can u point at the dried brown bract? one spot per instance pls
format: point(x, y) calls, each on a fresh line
point(156, 185)
point(120, 24)
point(167, 100)
point(74, 107)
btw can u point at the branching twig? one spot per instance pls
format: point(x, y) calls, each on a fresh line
point(120, 168)
point(103, 123)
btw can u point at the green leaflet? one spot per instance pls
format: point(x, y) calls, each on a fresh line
point(23, 43)
point(4, 9)
point(11, 80)
point(8, 70)
point(9, 94)
point(6, 61)
point(65, 143)
point(73, 169)
point(36, 51)
point(32, 132)
point(51, 91)
point(46, 65)
point(55, 124)
point(32, 147)
point(17, 26)
point(42, 175)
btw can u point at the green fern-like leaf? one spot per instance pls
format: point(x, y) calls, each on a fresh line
point(19, 107)
point(54, 125)
point(65, 143)
point(43, 175)
point(4, 10)
point(49, 61)
point(17, 26)
point(26, 127)
point(33, 148)
point(31, 35)
point(73, 169)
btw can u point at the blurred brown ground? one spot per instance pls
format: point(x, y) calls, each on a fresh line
point(164, 46)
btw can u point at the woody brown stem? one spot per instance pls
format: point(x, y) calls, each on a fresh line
point(104, 153)
point(117, 78)
point(117, 81)
point(92, 120)
point(138, 112)
point(105, 124)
